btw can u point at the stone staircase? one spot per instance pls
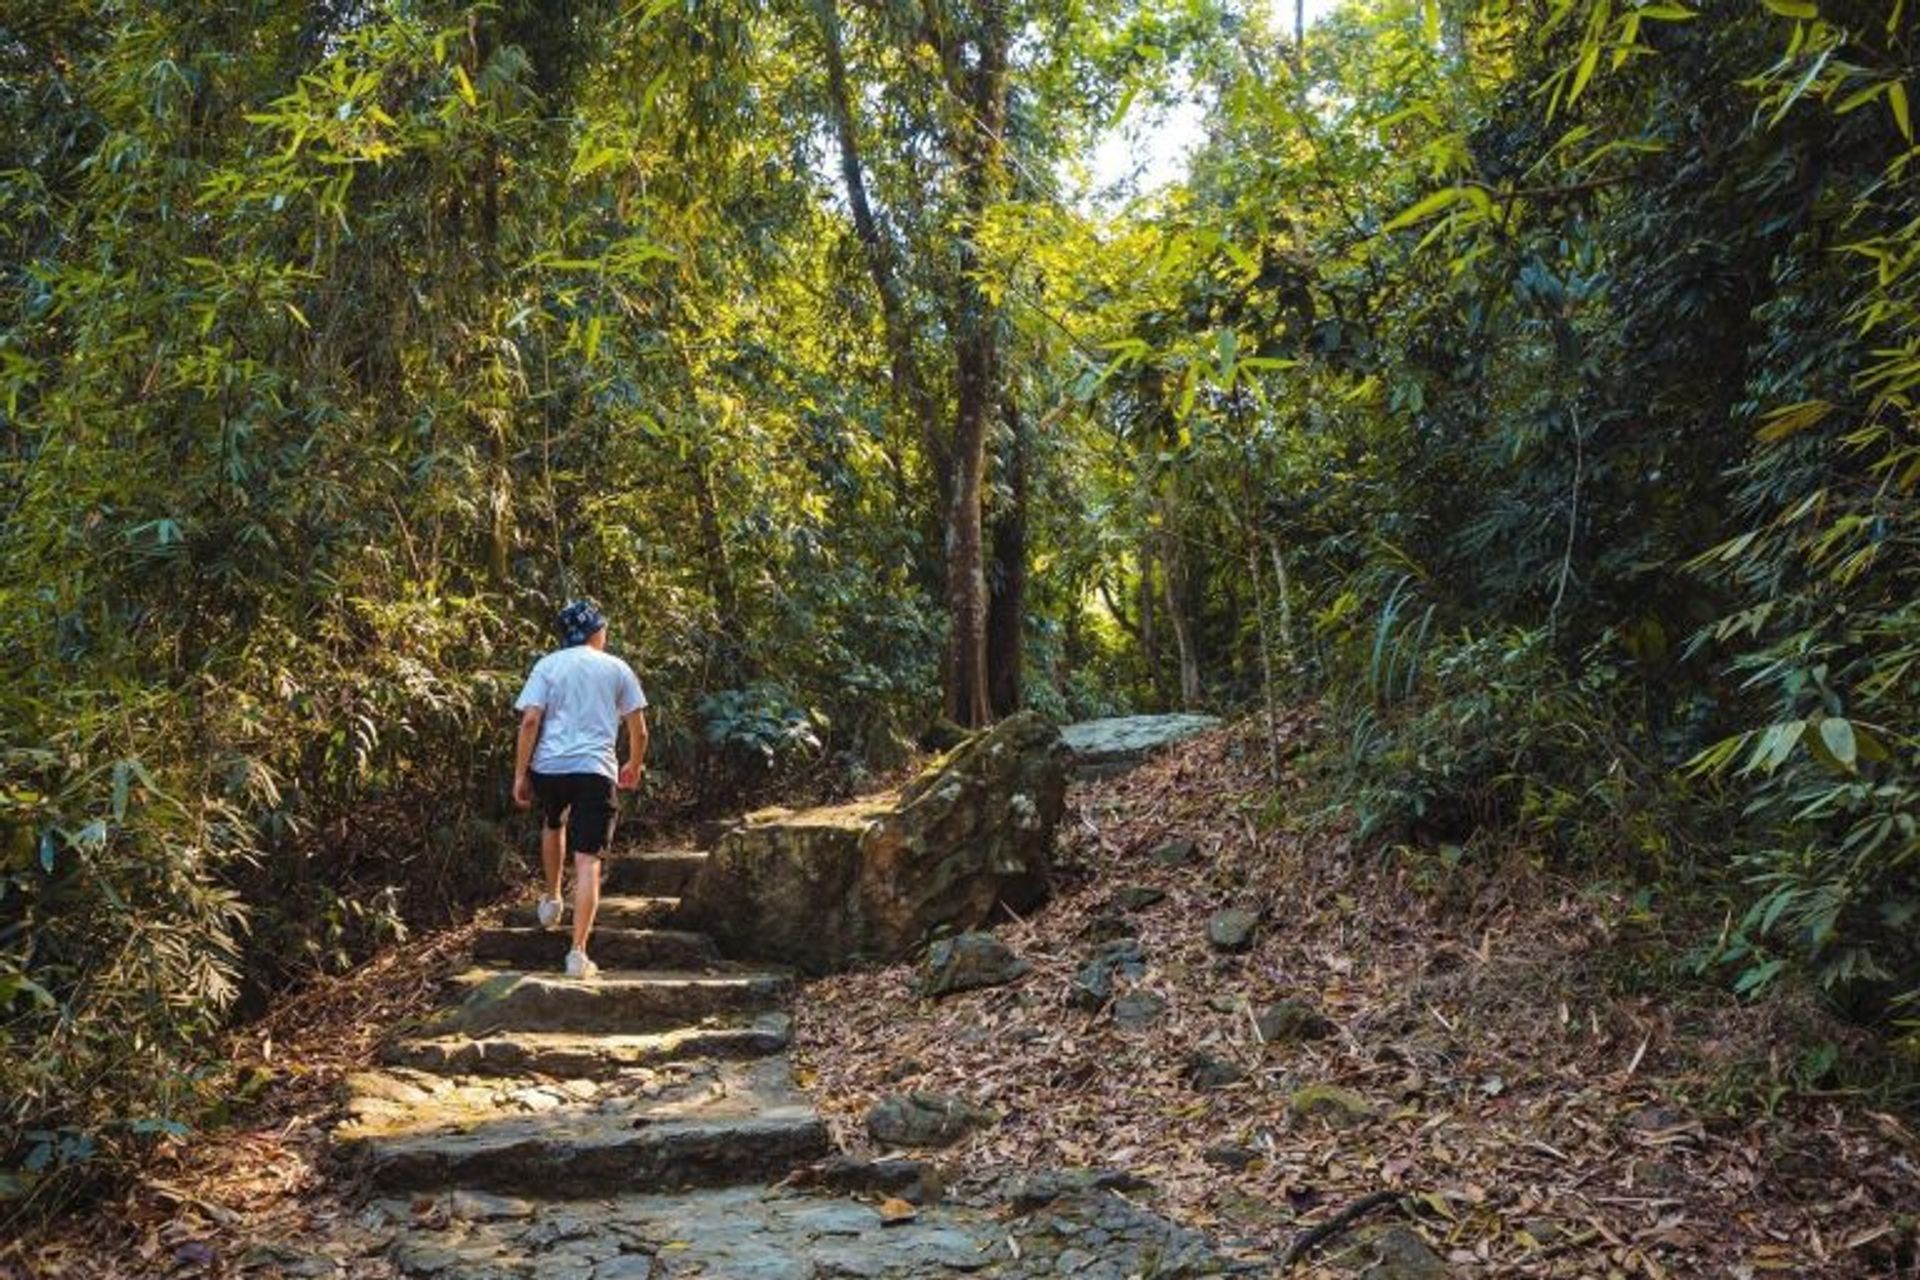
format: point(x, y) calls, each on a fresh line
point(635, 1127)
point(667, 1071)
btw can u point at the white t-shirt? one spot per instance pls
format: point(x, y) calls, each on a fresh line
point(586, 693)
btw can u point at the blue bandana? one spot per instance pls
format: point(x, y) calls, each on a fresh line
point(579, 621)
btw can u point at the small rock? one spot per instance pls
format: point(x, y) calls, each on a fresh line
point(1138, 1009)
point(1136, 897)
point(1106, 926)
point(1232, 929)
point(967, 962)
point(1398, 1253)
point(1228, 1157)
point(920, 1119)
point(1204, 1071)
point(1290, 1021)
point(1175, 853)
point(1093, 985)
point(1341, 1108)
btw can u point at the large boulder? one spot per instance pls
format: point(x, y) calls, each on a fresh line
point(873, 880)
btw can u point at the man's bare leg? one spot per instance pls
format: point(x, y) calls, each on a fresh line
point(586, 897)
point(553, 845)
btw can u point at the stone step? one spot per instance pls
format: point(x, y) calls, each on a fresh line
point(612, 948)
point(616, 912)
point(555, 1053)
point(618, 1002)
point(646, 1131)
point(661, 874)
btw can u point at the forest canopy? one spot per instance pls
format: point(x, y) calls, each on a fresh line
point(1530, 383)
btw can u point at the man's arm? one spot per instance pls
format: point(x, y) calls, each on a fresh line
point(523, 755)
point(636, 750)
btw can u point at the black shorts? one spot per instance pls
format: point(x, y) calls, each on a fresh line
point(580, 802)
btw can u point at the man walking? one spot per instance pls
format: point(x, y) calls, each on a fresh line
point(570, 715)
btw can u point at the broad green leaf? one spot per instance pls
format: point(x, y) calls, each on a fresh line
point(1837, 734)
point(1897, 102)
point(1804, 10)
point(1444, 198)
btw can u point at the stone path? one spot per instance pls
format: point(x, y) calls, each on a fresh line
point(633, 1128)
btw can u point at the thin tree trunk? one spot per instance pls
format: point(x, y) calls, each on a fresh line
point(1006, 614)
point(1272, 695)
point(1286, 596)
point(1175, 582)
point(1149, 631)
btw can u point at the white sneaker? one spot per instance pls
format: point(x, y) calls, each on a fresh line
point(549, 912)
point(578, 966)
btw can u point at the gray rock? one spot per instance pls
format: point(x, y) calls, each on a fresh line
point(1394, 1253)
point(968, 962)
point(1292, 1020)
point(1129, 739)
point(1093, 984)
point(1137, 897)
point(921, 1119)
point(1230, 1157)
point(1138, 1009)
point(1204, 1071)
point(1107, 926)
point(874, 878)
point(1175, 853)
point(1232, 929)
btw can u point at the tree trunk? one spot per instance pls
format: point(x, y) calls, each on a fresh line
point(1006, 615)
point(1175, 582)
point(980, 82)
point(1149, 631)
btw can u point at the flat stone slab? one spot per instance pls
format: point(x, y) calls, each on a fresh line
point(617, 911)
point(573, 1056)
point(615, 1003)
point(645, 1130)
point(752, 1234)
point(1104, 745)
point(655, 875)
point(611, 947)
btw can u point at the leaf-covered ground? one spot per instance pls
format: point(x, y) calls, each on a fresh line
point(1546, 1086)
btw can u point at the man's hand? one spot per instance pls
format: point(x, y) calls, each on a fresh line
point(523, 791)
point(630, 774)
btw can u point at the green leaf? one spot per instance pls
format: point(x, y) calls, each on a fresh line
point(1837, 734)
point(1804, 10)
point(1897, 101)
point(1444, 198)
point(1583, 72)
point(1791, 419)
